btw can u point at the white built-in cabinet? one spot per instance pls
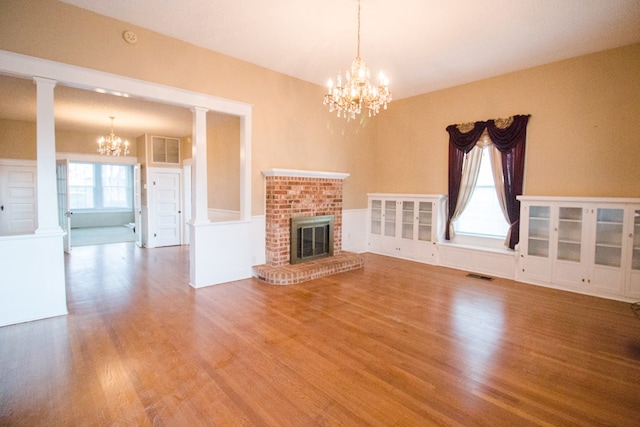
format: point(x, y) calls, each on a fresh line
point(590, 245)
point(406, 225)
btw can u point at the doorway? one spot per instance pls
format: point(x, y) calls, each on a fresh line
point(96, 202)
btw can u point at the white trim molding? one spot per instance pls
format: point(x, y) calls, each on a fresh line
point(96, 158)
point(304, 173)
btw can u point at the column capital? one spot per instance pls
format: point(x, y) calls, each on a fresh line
point(199, 109)
point(44, 81)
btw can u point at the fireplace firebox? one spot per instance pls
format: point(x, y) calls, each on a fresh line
point(311, 238)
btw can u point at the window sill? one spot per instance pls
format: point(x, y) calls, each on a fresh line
point(480, 243)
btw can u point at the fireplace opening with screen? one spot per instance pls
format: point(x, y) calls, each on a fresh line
point(311, 238)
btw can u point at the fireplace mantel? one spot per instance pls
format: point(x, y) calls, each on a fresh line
point(304, 173)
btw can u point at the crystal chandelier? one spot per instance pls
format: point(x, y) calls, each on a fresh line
point(112, 145)
point(357, 91)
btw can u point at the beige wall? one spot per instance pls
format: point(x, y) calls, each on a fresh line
point(583, 135)
point(291, 127)
point(86, 143)
point(223, 161)
point(17, 139)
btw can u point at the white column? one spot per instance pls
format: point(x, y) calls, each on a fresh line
point(46, 158)
point(199, 202)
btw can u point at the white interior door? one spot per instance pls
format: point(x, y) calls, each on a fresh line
point(137, 204)
point(18, 199)
point(64, 213)
point(166, 208)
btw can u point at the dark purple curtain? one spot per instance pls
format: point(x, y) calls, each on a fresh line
point(511, 143)
point(459, 145)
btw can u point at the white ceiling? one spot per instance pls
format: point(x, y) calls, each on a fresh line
point(421, 45)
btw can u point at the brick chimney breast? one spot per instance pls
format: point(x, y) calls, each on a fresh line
point(293, 193)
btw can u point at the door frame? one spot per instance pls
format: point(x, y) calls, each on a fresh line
point(64, 212)
point(137, 203)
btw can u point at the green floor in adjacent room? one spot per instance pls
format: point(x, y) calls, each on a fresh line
point(101, 235)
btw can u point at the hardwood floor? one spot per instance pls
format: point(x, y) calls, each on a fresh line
point(395, 343)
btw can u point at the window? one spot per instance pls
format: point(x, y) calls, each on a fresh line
point(100, 186)
point(483, 215)
point(81, 185)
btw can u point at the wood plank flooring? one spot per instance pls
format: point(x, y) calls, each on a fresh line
point(396, 343)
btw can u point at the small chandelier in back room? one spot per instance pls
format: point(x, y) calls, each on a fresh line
point(112, 145)
point(357, 92)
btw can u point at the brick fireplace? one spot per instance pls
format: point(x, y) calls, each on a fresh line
point(292, 193)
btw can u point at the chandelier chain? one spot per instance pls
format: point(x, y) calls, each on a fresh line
point(358, 50)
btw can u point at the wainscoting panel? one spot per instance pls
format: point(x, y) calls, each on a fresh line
point(498, 263)
point(354, 230)
point(33, 281)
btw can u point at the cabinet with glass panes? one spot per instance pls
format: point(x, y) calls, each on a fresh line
point(535, 245)
point(425, 220)
point(375, 210)
point(407, 219)
point(382, 224)
point(632, 288)
point(591, 244)
point(569, 234)
point(390, 207)
point(406, 225)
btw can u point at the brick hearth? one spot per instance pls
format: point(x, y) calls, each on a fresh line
point(301, 193)
point(297, 273)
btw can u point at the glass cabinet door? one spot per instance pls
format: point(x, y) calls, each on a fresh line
point(407, 219)
point(425, 219)
point(539, 226)
point(390, 218)
point(609, 235)
point(635, 259)
point(569, 234)
point(376, 216)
